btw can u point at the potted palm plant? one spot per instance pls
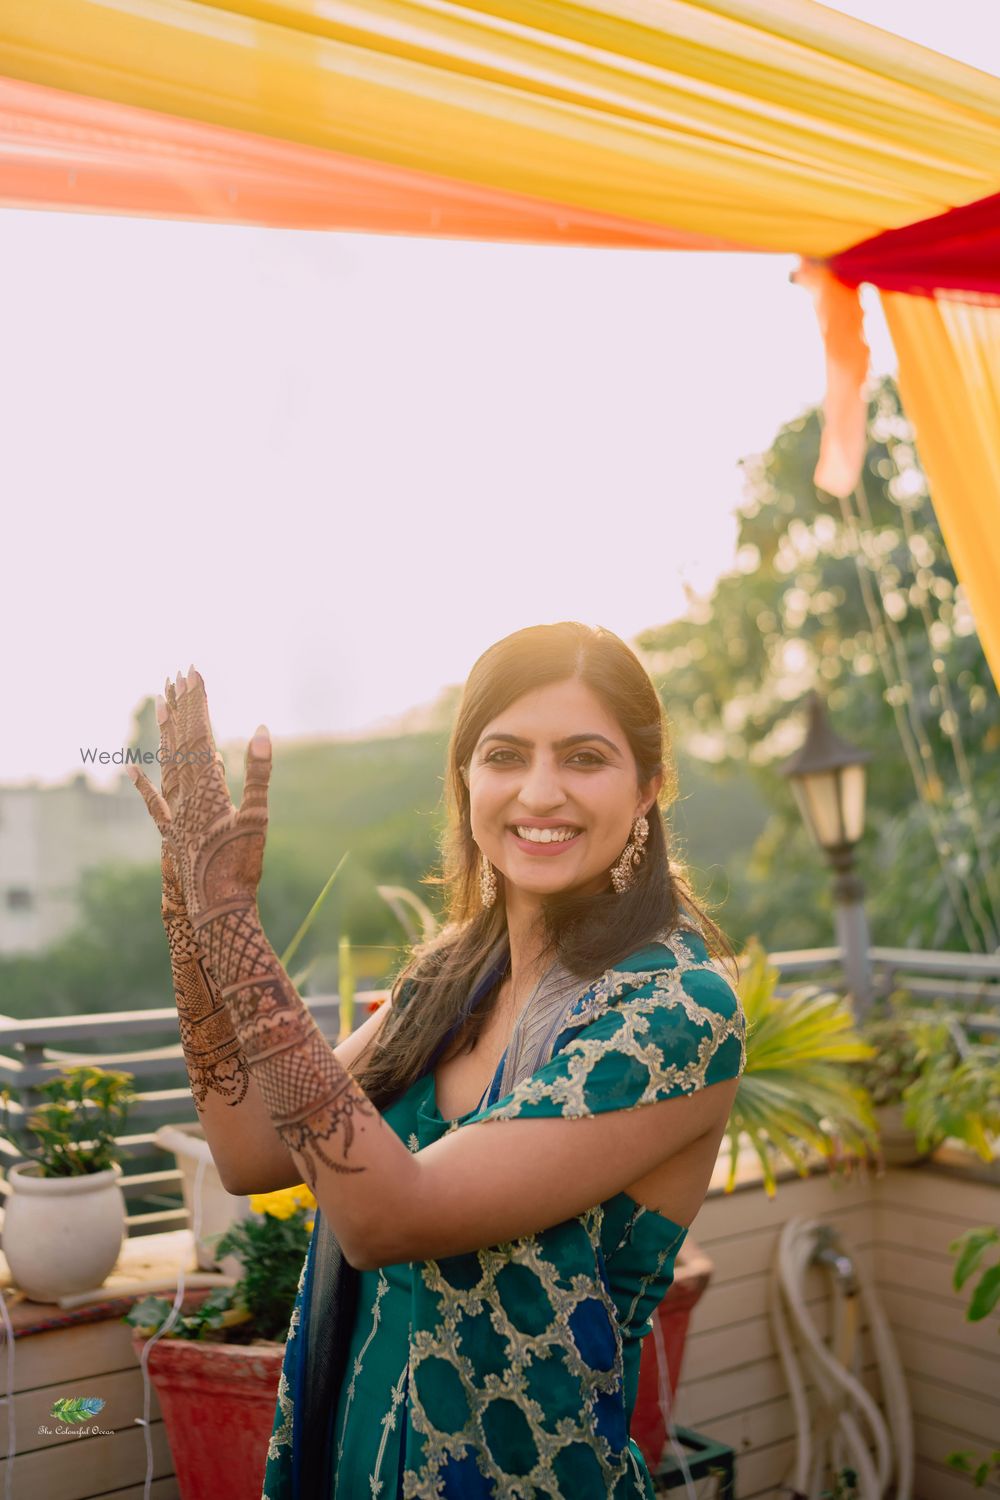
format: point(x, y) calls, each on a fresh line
point(796, 1098)
point(216, 1365)
point(64, 1219)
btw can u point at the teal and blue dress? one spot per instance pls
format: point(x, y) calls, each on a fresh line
point(512, 1371)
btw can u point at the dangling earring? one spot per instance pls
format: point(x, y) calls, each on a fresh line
point(487, 881)
point(622, 877)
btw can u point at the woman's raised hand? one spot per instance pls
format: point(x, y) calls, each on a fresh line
point(216, 850)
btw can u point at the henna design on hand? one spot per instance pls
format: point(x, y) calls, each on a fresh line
point(218, 855)
point(213, 1056)
point(311, 1097)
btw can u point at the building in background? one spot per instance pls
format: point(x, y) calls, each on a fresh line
point(49, 835)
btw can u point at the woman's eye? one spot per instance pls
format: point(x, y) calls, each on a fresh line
point(589, 757)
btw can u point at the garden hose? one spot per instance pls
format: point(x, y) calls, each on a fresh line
point(165, 1327)
point(847, 1429)
point(8, 1333)
point(663, 1396)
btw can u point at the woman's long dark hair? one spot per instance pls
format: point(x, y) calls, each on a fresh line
point(587, 933)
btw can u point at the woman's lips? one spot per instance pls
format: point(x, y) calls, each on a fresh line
point(555, 846)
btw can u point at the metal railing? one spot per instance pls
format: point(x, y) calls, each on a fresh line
point(968, 981)
point(145, 1043)
point(35, 1050)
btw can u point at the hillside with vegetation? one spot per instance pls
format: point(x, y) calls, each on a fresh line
point(379, 802)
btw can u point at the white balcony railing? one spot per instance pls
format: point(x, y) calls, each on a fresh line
point(145, 1043)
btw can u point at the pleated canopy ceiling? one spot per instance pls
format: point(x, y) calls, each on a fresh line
point(755, 125)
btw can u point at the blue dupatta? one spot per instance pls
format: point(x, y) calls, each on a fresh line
point(318, 1343)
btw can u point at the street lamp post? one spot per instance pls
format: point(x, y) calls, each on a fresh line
point(828, 779)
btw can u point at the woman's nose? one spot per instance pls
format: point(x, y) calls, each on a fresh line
point(542, 788)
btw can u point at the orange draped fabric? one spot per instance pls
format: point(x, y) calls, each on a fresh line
point(69, 151)
point(845, 426)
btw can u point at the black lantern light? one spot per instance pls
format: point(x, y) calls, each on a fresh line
point(828, 779)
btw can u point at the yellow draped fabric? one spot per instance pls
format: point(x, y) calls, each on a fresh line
point(778, 125)
point(949, 379)
point(769, 125)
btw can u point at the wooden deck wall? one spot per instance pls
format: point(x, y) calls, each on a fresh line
point(899, 1227)
point(91, 1359)
point(732, 1385)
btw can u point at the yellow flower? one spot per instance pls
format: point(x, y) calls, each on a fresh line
point(282, 1203)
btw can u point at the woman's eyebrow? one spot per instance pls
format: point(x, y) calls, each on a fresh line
point(571, 739)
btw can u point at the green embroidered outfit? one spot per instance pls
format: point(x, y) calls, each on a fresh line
point(512, 1371)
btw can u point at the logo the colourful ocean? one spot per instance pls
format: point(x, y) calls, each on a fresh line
point(77, 1408)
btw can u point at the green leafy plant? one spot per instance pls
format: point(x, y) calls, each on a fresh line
point(947, 1080)
point(845, 1486)
point(795, 1096)
point(77, 1129)
point(271, 1249)
point(971, 1248)
point(896, 1060)
point(207, 1321)
point(954, 1100)
point(271, 1246)
point(974, 1464)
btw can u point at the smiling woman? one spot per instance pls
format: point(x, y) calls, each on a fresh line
point(469, 1317)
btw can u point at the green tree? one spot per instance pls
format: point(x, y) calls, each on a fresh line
point(859, 600)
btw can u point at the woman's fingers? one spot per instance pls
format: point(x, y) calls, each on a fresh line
point(172, 886)
point(158, 809)
point(257, 774)
point(169, 779)
point(211, 855)
point(194, 731)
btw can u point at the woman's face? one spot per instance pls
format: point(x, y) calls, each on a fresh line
point(555, 759)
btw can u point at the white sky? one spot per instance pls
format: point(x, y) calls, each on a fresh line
point(331, 469)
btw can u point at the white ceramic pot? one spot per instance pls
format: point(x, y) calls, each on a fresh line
point(62, 1234)
point(211, 1209)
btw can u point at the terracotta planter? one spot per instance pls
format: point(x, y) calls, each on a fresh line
point(692, 1274)
point(218, 1404)
point(62, 1234)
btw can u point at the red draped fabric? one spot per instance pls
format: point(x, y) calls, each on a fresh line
point(956, 253)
